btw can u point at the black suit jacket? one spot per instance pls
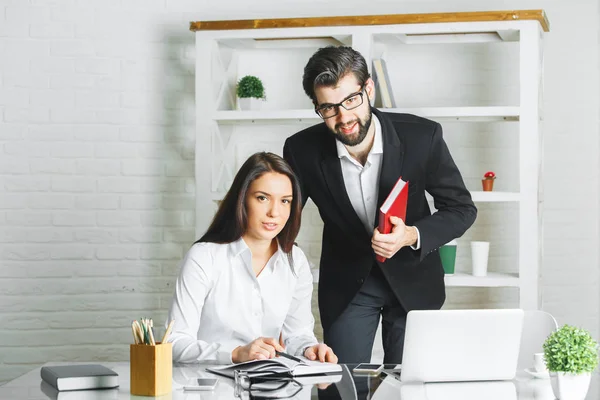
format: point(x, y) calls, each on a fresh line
point(413, 148)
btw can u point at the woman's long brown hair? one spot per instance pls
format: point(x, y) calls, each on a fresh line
point(231, 220)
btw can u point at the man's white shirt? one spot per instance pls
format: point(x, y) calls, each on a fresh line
point(362, 182)
point(220, 304)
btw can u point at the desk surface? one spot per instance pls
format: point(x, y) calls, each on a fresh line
point(522, 388)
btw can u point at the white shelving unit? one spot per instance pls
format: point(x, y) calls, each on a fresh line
point(438, 113)
point(216, 67)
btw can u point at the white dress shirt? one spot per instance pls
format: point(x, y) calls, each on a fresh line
point(220, 304)
point(362, 182)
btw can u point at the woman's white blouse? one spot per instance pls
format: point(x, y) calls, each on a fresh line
point(219, 303)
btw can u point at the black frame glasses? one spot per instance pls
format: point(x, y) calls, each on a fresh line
point(263, 387)
point(351, 102)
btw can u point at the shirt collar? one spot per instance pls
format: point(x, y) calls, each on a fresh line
point(240, 247)
point(377, 147)
point(378, 140)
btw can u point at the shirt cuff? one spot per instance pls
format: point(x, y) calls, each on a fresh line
point(300, 349)
point(224, 354)
point(418, 245)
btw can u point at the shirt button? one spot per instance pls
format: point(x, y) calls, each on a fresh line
point(360, 280)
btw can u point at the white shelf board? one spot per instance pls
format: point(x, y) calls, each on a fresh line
point(236, 116)
point(440, 113)
point(489, 197)
point(482, 197)
point(493, 279)
point(466, 113)
point(478, 197)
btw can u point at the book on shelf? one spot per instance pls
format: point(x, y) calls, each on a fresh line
point(384, 86)
point(80, 377)
point(393, 206)
point(278, 366)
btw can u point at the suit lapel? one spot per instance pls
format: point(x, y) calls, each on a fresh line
point(332, 172)
point(393, 157)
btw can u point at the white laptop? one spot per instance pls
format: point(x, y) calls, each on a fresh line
point(494, 390)
point(461, 345)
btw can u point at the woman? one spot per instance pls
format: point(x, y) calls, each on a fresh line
point(244, 283)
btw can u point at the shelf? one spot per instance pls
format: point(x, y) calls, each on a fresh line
point(489, 197)
point(492, 113)
point(266, 116)
point(478, 197)
point(218, 122)
point(438, 113)
point(370, 20)
point(483, 197)
point(491, 280)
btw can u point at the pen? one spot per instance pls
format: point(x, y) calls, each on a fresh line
point(286, 355)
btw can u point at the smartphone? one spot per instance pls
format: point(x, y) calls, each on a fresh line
point(203, 384)
point(369, 369)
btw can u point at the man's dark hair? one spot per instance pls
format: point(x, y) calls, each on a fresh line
point(330, 64)
point(231, 220)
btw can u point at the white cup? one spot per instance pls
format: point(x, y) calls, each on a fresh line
point(539, 364)
point(479, 257)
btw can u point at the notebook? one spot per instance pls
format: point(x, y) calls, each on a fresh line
point(79, 377)
point(461, 345)
point(393, 206)
point(96, 394)
point(279, 366)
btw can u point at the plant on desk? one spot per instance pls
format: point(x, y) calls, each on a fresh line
point(571, 356)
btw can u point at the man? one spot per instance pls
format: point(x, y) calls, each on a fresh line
point(347, 165)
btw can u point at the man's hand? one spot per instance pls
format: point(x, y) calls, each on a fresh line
point(387, 245)
point(322, 352)
point(259, 349)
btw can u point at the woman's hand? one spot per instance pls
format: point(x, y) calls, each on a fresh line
point(259, 349)
point(322, 352)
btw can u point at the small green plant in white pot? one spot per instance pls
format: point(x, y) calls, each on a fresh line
point(571, 356)
point(250, 91)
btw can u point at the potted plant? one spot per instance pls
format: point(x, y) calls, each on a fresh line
point(571, 356)
point(488, 181)
point(250, 91)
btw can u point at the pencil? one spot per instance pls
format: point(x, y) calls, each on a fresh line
point(167, 332)
point(152, 342)
point(135, 341)
point(138, 331)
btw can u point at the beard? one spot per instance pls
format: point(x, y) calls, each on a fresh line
point(355, 138)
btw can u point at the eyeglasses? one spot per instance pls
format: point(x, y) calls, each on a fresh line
point(349, 103)
point(264, 387)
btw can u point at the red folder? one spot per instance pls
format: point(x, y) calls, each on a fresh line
point(394, 205)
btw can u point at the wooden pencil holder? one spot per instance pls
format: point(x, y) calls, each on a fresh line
point(151, 369)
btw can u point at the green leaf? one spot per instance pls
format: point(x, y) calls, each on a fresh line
point(250, 86)
point(571, 349)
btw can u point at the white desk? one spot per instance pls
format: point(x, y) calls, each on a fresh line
point(522, 388)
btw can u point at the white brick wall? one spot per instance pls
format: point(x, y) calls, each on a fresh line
point(96, 165)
